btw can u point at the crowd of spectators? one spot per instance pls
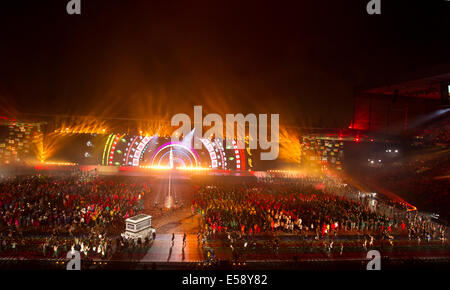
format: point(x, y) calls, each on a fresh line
point(47, 216)
point(312, 208)
point(421, 181)
point(435, 134)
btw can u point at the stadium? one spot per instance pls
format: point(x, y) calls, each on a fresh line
point(97, 178)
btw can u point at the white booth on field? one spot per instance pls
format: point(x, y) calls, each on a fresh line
point(139, 226)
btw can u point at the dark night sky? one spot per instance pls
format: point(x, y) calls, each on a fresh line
point(138, 59)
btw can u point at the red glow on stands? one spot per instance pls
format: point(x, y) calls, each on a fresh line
point(242, 153)
point(7, 119)
point(320, 186)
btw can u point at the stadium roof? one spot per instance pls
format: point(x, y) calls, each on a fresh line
point(424, 83)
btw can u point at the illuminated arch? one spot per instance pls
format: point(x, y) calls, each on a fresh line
point(110, 147)
point(179, 160)
point(140, 150)
point(177, 146)
point(129, 150)
point(215, 157)
point(240, 156)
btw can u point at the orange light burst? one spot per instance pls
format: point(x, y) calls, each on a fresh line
point(194, 168)
point(83, 125)
point(59, 163)
point(290, 147)
point(160, 127)
point(47, 145)
point(162, 167)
